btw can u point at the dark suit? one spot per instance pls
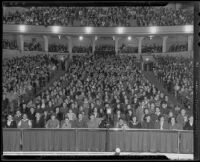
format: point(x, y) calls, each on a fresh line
point(12, 125)
point(188, 126)
point(38, 124)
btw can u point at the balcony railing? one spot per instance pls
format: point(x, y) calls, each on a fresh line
point(98, 140)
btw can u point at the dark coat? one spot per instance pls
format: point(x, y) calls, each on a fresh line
point(188, 126)
point(38, 124)
point(12, 125)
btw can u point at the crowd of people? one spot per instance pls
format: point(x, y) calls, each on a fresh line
point(127, 49)
point(104, 48)
point(101, 92)
point(176, 73)
point(100, 16)
point(23, 77)
point(10, 44)
point(178, 47)
point(153, 48)
point(58, 48)
point(81, 49)
point(32, 46)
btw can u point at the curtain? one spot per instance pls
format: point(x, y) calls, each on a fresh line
point(186, 142)
point(100, 140)
point(65, 140)
point(38, 140)
point(143, 141)
point(11, 139)
point(91, 140)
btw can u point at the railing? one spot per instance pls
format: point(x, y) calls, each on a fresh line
point(99, 140)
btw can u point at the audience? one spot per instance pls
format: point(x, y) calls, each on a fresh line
point(104, 92)
point(178, 48)
point(32, 46)
point(58, 48)
point(100, 16)
point(10, 44)
point(22, 78)
point(176, 74)
point(152, 48)
point(81, 49)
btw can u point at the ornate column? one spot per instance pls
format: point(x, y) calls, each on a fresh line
point(93, 45)
point(116, 45)
point(164, 44)
point(190, 42)
point(46, 43)
point(21, 42)
point(140, 44)
point(70, 45)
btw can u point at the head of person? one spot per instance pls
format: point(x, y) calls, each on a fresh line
point(130, 112)
point(53, 116)
point(134, 119)
point(121, 121)
point(92, 116)
point(32, 110)
point(80, 116)
point(157, 110)
point(57, 109)
point(177, 108)
point(24, 116)
point(37, 115)
point(9, 117)
point(148, 118)
point(183, 112)
point(164, 105)
point(173, 120)
point(18, 113)
point(146, 111)
point(70, 111)
point(191, 119)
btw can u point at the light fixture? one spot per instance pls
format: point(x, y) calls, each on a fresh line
point(22, 28)
point(80, 38)
point(88, 30)
point(188, 28)
point(55, 29)
point(129, 38)
point(153, 29)
point(117, 151)
point(120, 30)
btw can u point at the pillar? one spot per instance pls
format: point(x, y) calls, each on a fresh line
point(21, 43)
point(93, 45)
point(164, 44)
point(46, 43)
point(190, 42)
point(116, 44)
point(140, 44)
point(70, 46)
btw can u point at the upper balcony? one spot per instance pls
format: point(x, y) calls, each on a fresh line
point(120, 31)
